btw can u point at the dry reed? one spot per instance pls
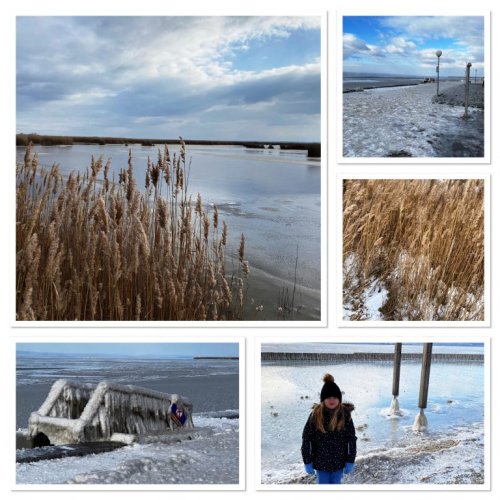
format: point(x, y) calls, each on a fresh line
point(420, 240)
point(89, 249)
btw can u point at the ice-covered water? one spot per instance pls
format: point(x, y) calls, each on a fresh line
point(271, 196)
point(212, 385)
point(451, 450)
point(377, 122)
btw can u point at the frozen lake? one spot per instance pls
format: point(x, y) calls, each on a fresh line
point(271, 196)
point(377, 122)
point(212, 385)
point(389, 452)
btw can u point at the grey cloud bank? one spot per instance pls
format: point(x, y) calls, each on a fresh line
point(165, 77)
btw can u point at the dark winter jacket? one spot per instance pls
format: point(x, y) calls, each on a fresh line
point(330, 450)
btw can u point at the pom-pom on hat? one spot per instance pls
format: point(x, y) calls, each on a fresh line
point(330, 388)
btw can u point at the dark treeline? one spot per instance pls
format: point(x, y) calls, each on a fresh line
point(313, 148)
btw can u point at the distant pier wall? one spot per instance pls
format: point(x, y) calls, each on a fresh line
point(362, 356)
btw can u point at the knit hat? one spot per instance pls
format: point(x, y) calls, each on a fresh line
point(330, 388)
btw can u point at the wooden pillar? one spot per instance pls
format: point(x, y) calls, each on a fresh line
point(397, 369)
point(467, 89)
point(421, 420)
point(395, 410)
point(425, 376)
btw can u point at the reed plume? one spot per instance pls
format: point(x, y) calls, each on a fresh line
point(91, 249)
point(421, 241)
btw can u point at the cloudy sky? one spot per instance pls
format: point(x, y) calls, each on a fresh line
point(407, 45)
point(164, 77)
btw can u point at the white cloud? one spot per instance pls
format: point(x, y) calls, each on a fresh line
point(134, 69)
point(353, 46)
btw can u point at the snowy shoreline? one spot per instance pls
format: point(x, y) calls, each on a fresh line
point(210, 458)
point(405, 120)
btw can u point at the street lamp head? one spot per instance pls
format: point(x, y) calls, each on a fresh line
point(469, 65)
point(439, 53)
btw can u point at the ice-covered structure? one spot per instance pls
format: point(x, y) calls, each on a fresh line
point(79, 413)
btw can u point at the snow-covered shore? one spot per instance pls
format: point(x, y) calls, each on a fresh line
point(404, 121)
point(448, 460)
point(210, 458)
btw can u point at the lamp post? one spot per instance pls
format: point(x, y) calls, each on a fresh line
point(438, 54)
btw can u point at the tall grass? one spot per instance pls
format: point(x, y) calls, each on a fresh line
point(422, 241)
point(89, 248)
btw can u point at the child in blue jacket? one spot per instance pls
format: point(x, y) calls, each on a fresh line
point(329, 437)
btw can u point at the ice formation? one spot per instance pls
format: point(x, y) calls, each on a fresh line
point(78, 413)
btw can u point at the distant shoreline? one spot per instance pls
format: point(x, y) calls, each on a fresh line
point(313, 148)
point(217, 357)
point(378, 86)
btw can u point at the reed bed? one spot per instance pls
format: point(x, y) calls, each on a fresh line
point(92, 248)
point(416, 246)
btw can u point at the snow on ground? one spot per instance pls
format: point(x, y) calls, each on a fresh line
point(379, 121)
point(363, 299)
point(364, 305)
point(449, 458)
point(211, 458)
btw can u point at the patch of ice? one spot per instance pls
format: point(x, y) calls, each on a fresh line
point(405, 118)
point(387, 413)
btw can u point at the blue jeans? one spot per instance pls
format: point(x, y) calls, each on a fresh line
point(327, 477)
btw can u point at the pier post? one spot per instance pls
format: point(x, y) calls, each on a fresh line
point(395, 410)
point(421, 420)
point(467, 89)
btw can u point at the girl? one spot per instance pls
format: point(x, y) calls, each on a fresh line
point(329, 438)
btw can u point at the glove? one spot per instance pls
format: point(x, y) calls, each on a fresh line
point(349, 467)
point(309, 468)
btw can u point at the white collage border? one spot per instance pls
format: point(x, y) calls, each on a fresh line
point(250, 333)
